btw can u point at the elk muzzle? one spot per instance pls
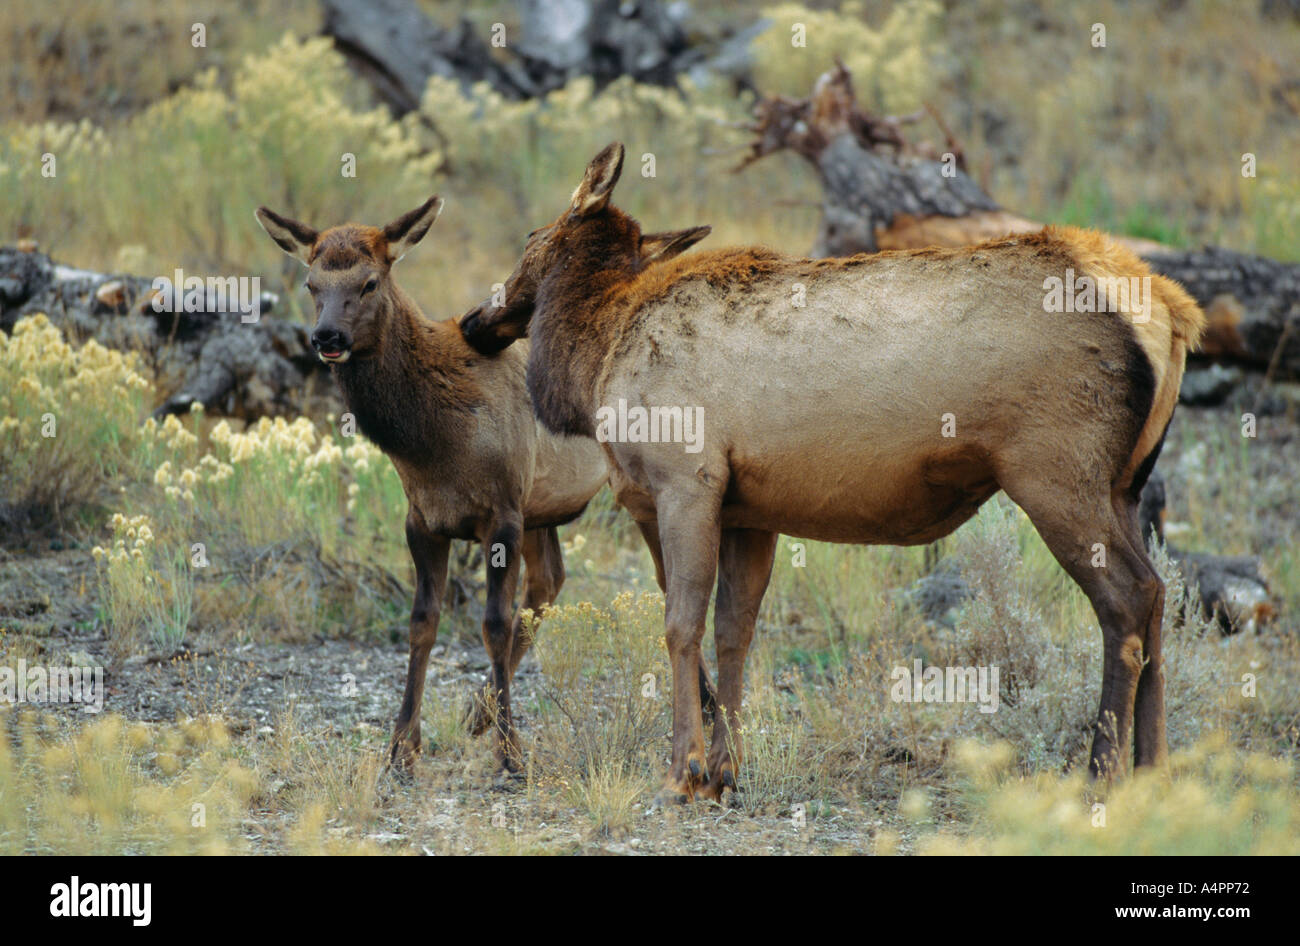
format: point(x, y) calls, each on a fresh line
point(486, 331)
point(332, 345)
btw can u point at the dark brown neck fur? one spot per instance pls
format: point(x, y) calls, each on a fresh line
point(573, 324)
point(414, 392)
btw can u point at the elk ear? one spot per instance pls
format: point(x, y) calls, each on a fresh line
point(410, 228)
point(656, 247)
point(293, 237)
point(597, 185)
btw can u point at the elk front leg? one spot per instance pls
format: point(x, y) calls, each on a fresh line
point(429, 553)
point(689, 528)
point(708, 695)
point(501, 552)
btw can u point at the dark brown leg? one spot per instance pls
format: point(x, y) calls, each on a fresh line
point(1150, 744)
point(429, 552)
point(501, 546)
point(543, 578)
point(744, 569)
point(1126, 595)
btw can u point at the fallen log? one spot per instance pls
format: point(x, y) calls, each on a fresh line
point(209, 354)
point(883, 190)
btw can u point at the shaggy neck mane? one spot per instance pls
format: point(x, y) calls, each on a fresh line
point(575, 326)
point(413, 393)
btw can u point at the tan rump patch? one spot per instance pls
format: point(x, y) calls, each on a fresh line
point(1167, 322)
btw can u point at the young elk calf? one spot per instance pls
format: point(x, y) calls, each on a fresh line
point(460, 431)
point(877, 399)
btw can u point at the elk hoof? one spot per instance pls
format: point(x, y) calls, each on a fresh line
point(717, 788)
point(401, 760)
point(699, 772)
point(507, 781)
point(669, 798)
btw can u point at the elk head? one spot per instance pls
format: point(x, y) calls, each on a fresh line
point(592, 232)
point(348, 274)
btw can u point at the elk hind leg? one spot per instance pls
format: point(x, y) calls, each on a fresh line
point(744, 569)
point(501, 550)
point(1150, 743)
point(543, 578)
point(429, 552)
point(1091, 541)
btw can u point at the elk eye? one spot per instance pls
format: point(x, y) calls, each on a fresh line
point(370, 286)
point(310, 287)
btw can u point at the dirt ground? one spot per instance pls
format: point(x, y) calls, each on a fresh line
point(338, 696)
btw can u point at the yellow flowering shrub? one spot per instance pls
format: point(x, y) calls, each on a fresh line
point(891, 65)
point(146, 586)
point(275, 130)
point(68, 420)
point(306, 523)
point(124, 788)
point(1214, 799)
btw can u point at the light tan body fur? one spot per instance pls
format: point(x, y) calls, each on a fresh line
point(506, 458)
point(770, 377)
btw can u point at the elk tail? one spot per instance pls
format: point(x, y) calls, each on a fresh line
point(1166, 323)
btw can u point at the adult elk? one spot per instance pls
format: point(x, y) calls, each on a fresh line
point(827, 388)
point(460, 431)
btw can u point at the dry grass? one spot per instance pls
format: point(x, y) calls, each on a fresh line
point(1145, 136)
point(67, 59)
point(302, 527)
point(602, 710)
point(1214, 800)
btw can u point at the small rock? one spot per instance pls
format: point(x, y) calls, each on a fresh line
point(939, 594)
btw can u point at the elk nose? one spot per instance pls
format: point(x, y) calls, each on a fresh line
point(329, 340)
